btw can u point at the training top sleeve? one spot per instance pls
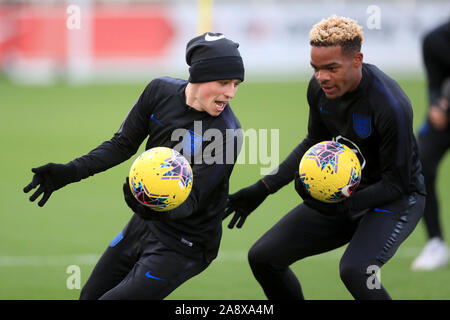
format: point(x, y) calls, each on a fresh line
point(124, 143)
point(317, 132)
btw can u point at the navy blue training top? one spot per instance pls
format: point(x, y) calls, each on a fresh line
point(161, 114)
point(376, 120)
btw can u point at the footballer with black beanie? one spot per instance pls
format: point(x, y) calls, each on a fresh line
point(157, 252)
point(356, 104)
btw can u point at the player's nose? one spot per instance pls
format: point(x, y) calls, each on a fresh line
point(230, 91)
point(322, 76)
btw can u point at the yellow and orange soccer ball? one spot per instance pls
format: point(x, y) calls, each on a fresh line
point(330, 171)
point(161, 178)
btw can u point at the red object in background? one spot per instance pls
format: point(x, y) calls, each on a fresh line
point(40, 31)
point(131, 32)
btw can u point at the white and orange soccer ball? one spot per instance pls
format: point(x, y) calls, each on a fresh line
point(330, 171)
point(161, 178)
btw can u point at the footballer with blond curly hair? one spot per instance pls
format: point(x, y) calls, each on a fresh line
point(354, 103)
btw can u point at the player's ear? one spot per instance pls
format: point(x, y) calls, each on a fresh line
point(357, 59)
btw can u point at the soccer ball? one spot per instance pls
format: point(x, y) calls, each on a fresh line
point(161, 178)
point(330, 171)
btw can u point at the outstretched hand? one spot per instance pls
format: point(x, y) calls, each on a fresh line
point(49, 178)
point(244, 202)
point(240, 215)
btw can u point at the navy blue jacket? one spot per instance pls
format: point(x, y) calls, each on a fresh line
point(376, 120)
point(162, 115)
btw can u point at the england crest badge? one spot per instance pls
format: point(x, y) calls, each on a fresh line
point(362, 124)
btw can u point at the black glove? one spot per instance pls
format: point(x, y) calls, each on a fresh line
point(341, 207)
point(142, 211)
point(244, 202)
point(50, 178)
point(300, 187)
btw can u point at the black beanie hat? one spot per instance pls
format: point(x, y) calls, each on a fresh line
point(213, 57)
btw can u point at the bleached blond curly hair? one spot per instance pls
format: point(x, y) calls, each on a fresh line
point(335, 31)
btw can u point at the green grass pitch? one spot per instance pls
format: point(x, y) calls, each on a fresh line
point(57, 123)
